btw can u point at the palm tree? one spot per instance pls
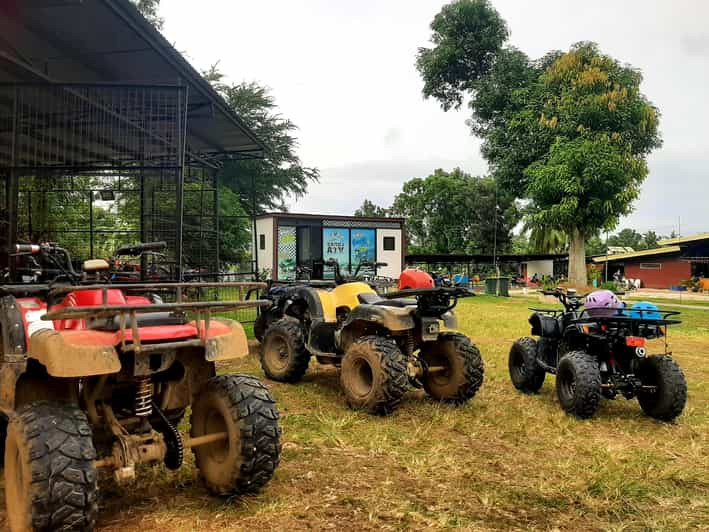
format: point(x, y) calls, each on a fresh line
point(545, 239)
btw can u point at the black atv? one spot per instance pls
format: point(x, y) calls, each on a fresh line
point(596, 356)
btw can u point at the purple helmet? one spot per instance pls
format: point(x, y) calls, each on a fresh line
point(602, 303)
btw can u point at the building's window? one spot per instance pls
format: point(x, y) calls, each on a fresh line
point(262, 241)
point(650, 266)
point(389, 243)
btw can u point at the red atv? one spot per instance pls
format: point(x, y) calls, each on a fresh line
point(98, 376)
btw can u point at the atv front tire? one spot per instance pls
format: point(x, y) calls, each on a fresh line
point(50, 478)
point(670, 396)
point(284, 357)
point(578, 384)
point(525, 373)
point(373, 375)
point(459, 368)
point(241, 406)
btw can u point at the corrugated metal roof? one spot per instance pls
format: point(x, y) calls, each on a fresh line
point(108, 41)
point(667, 250)
point(683, 239)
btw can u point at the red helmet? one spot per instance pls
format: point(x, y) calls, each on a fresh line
point(415, 278)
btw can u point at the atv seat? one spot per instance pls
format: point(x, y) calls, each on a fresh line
point(374, 299)
point(149, 319)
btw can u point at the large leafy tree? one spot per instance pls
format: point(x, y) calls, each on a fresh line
point(263, 183)
point(569, 131)
point(453, 212)
point(605, 127)
point(280, 173)
point(149, 9)
point(369, 209)
point(627, 237)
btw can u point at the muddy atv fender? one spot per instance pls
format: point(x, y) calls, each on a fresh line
point(228, 345)
point(389, 318)
point(74, 353)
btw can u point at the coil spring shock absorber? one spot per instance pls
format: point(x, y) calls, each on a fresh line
point(409, 343)
point(143, 396)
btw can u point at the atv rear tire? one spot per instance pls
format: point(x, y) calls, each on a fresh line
point(525, 373)
point(668, 401)
point(284, 357)
point(463, 368)
point(373, 375)
point(50, 478)
point(241, 406)
point(578, 384)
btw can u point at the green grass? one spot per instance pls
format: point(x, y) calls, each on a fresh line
point(503, 461)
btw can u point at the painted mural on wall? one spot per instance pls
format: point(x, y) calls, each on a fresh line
point(286, 253)
point(364, 243)
point(336, 245)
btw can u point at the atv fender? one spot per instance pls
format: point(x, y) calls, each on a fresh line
point(318, 303)
point(545, 326)
point(74, 353)
point(229, 344)
point(390, 318)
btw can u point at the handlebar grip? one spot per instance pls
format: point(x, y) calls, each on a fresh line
point(137, 249)
point(27, 248)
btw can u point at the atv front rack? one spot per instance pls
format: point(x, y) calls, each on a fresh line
point(127, 314)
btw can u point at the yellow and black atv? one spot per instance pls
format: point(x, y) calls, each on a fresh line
point(383, 344)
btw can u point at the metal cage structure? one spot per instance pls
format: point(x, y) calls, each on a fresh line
point(96, 166)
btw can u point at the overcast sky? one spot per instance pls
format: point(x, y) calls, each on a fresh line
point(344, 72)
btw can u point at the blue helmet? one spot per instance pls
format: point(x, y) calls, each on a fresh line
point(644, 310)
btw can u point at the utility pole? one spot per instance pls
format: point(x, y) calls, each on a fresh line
point(606, 270)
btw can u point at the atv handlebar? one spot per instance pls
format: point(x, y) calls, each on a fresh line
point(27, 248)
point(138, 249)
point(48, 250)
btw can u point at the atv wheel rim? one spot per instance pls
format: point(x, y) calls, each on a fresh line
point(278, 353)
point(518, 367)
point(443, 376)
point(363, 378)
point(568, 385)
point(215, 423)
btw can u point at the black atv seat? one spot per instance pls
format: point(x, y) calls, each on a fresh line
point(374, 299)
point(149, 319)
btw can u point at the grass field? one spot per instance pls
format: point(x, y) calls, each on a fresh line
point(504, 461)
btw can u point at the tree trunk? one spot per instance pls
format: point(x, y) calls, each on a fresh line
point(577, 258)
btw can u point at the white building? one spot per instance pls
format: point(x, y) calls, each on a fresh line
point(286, 241)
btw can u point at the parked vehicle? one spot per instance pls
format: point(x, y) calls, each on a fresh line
point(600, 350)
point(98, 376)
point(382, 344)
point(278, 292)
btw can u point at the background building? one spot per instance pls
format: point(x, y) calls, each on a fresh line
point(676, 260)
point(287, 242)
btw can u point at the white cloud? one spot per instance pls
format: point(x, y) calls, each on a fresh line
point(344, 73)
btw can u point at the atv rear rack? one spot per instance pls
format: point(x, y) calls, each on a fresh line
point(127, 314)
point(623, 325)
